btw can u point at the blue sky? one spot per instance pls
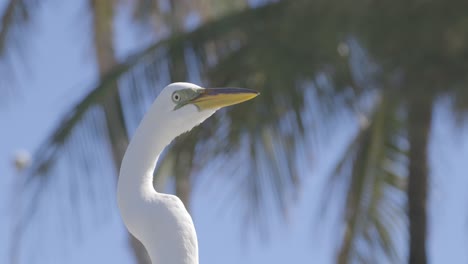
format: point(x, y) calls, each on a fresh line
point(60, 70)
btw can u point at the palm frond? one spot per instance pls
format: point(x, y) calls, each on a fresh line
point(14, 21)
point(83, 160)
point(229, 52)
point(16, 16)
point(459, 103)
point(375, 198)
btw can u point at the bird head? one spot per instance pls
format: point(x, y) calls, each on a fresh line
point(186, 105)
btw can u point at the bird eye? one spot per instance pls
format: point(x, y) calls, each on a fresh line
point(176, 97)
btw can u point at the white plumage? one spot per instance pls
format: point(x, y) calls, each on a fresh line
point(160, 221)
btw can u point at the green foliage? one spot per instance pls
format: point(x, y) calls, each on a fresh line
point(362, 57)
point(374, 203)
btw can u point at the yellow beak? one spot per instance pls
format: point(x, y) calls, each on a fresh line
point(215, 98)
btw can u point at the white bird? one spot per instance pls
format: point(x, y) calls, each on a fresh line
point(160, 221)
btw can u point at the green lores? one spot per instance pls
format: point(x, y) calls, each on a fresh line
point(212, 98)
point(185, 96)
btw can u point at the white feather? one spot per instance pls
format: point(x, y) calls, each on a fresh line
point(160, 221)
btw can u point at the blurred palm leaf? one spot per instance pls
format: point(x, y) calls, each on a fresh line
point(375, 167)
point(288, 50)
point(16, 16)
point(213, 54)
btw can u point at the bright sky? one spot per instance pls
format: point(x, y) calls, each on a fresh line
point(61, 71)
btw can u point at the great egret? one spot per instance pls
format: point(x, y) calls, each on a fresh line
point(160, 221)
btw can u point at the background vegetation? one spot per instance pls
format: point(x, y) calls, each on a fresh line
point(381, 66)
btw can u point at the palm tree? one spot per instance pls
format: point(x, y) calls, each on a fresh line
point(112, 106)
point(394, 60)
point(17, 16)
point(424, 62)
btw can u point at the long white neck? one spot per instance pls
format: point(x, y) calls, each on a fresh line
point(139, 161)
point(159, 221)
